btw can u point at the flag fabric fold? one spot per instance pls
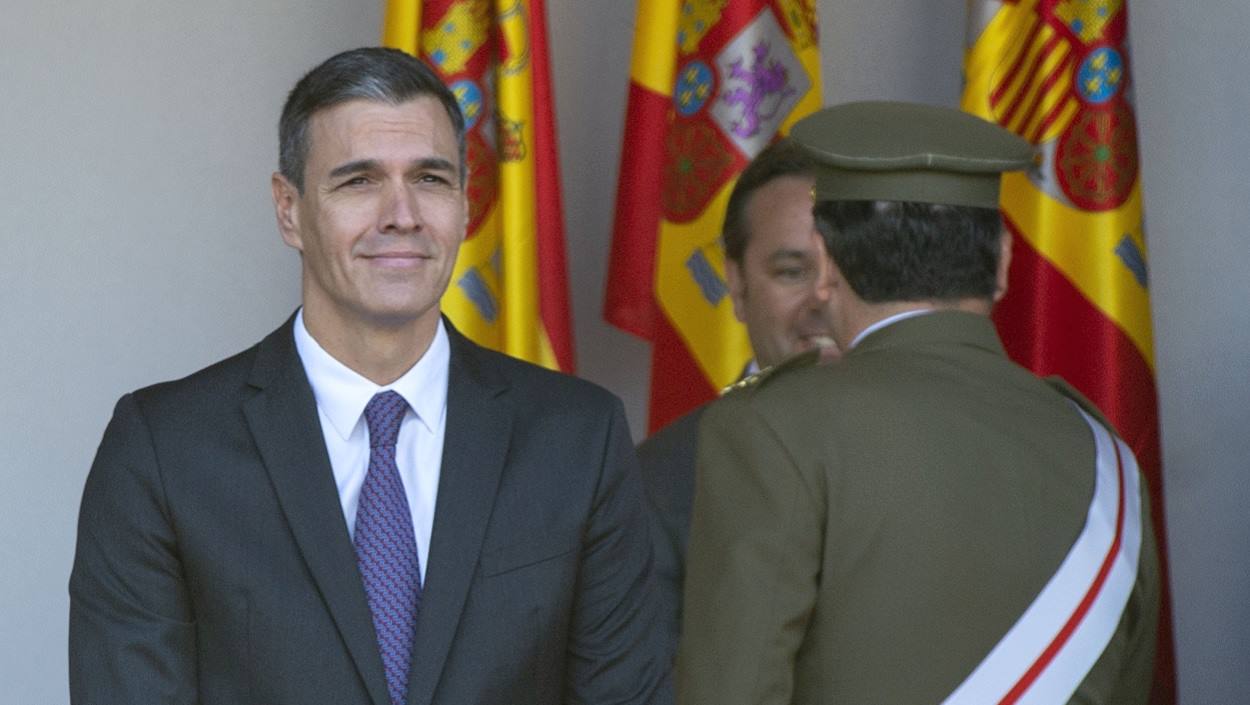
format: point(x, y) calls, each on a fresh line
point(712, 82)
point(1057, 73)
point(509, 288)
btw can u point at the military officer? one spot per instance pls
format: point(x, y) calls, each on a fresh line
point(925, 521)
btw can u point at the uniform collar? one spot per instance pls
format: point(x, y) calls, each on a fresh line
point(938, 326)
point(888, 320)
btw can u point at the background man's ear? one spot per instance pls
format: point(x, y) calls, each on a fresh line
point(286, 208)
point(1004, 266)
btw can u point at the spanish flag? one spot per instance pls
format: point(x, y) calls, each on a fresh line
point(509, 289)
point(1057, 73)
point(712, 82)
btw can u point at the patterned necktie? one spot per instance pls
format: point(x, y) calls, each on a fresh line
point(386, 547)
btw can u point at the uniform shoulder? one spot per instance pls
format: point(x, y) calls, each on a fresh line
point(754, 382)
point(1061, 386)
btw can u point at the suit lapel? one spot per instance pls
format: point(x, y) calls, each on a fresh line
point(474, 447)
point(284, 423)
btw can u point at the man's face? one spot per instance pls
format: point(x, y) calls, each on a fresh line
point(382, 214)
point(777, 289)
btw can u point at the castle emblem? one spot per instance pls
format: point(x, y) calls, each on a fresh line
point(1088, 19)
point(697, 17)
point(458, 36)
point(800, 16)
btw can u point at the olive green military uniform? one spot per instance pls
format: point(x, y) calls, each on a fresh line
point(866, 532)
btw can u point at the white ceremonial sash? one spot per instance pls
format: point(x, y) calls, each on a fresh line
point(1055, 643)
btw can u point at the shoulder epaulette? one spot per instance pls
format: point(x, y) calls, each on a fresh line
point(801, 360)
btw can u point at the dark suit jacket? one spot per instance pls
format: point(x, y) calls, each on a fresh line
point(667, 463)
point(866, 532)
point(214, 566)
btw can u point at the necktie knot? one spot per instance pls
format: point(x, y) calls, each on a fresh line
point(383, 414)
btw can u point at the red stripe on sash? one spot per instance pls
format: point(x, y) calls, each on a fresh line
point(1082, 609)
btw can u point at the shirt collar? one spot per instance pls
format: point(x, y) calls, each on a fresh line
point(887, 321)
point(342, 393)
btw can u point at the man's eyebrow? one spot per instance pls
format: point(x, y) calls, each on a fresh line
point(790, 254)
point(435, 163)
point(353, 168)
point(362, 165)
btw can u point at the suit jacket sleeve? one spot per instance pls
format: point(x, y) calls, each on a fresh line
point(667, 463)
point(666, 540)
point(131, 631)
point(751, 574)
point(616, 648)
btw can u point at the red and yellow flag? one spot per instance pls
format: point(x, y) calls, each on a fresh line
point(509, 289)
point(1057, 73)
point(712, 83)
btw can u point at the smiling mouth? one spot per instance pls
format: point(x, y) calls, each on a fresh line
point(397, 259)
point(818, 340)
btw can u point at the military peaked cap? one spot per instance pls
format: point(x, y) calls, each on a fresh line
point(887, 151)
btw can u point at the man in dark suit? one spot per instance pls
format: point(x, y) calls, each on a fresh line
point(366, 507)
point(772, 257)
point(925, 521)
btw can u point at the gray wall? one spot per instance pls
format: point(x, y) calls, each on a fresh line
point(1193, 97)
point(138, 241)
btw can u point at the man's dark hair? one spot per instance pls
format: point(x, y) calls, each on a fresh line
point(371, 73)
point(782, 158)
point(902, 251)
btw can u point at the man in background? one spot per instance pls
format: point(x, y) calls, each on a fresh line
point(924, 521)
point(772, 262)
point(366, 508)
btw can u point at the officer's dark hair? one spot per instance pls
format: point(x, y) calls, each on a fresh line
point(905, 251)
point(371, 73)
point(782, 158)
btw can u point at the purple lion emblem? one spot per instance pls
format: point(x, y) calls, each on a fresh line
point(765, 80)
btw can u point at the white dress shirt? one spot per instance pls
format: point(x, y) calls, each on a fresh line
point(888, 321)
point(342, 395)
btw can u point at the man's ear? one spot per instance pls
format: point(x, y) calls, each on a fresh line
point(736, 279)
point(1004, 266)
point(286, 207)
point(827, 273)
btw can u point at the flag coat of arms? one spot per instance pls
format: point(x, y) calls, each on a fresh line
point(1056, 72)
point(509, 288)
point(712, 82)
